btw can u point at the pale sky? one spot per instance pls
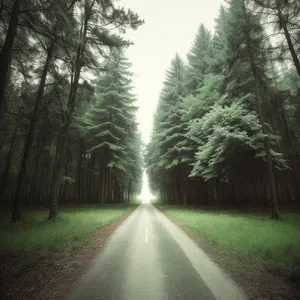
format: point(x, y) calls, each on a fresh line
point(170, 27)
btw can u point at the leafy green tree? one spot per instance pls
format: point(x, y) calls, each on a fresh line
point(221, 134)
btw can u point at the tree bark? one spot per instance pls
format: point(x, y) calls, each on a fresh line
point(6, 52)
point(7, 168)
point(288, 38)
point(61, 141)
point(274, 195)
point(30, 135)
point(79, 172)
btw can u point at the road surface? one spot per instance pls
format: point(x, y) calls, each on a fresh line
point(150, 258)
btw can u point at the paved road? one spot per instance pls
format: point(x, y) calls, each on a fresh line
point(148, 257)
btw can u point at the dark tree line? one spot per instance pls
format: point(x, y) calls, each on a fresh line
point(227, 127)
point(64, 136)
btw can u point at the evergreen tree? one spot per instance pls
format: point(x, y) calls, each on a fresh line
point(170, 133)
point(197, 68)
point(236, 114)
point(114, 138)
point(45, 126)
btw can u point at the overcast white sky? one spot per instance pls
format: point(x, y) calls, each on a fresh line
point(170, 27)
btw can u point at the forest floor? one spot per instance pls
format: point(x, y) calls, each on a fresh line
point(262, 255)
point(41, 259)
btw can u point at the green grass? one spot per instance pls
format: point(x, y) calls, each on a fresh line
point(36, 238)
point(277, 243)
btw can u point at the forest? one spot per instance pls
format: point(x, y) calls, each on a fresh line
point(223, 160)
point(227, 127)
point(68, 128)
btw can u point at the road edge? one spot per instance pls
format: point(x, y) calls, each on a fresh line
point(55, 281)
point(257, 284)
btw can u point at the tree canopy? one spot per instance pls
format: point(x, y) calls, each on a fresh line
point(225, 133)
point(64, 136)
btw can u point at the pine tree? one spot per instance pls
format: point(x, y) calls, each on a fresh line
point(170, 131)
point(247, 57)
point(44, 127)
point(89, 39)
point(229, 119)
point(113, 134)
point(199, 59)
point(284, 16)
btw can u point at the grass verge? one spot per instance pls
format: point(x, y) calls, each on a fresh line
point(24, 244)
point(249, 234)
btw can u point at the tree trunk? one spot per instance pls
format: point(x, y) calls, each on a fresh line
point(79, 172)
point(45, 175)
point(274, 196)
point(41, 148)
point(30, 135)
point(6, 170)
point(57, 172)
point(103, 186)
point(66, 169)
point(288, 38)
point(3, 138)
point(30, 197)
point(55, 181)
point(98, 188)
point(6, 52)
point(56, 177)
point(129, 190)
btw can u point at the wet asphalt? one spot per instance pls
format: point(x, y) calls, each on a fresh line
point(148, 257)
